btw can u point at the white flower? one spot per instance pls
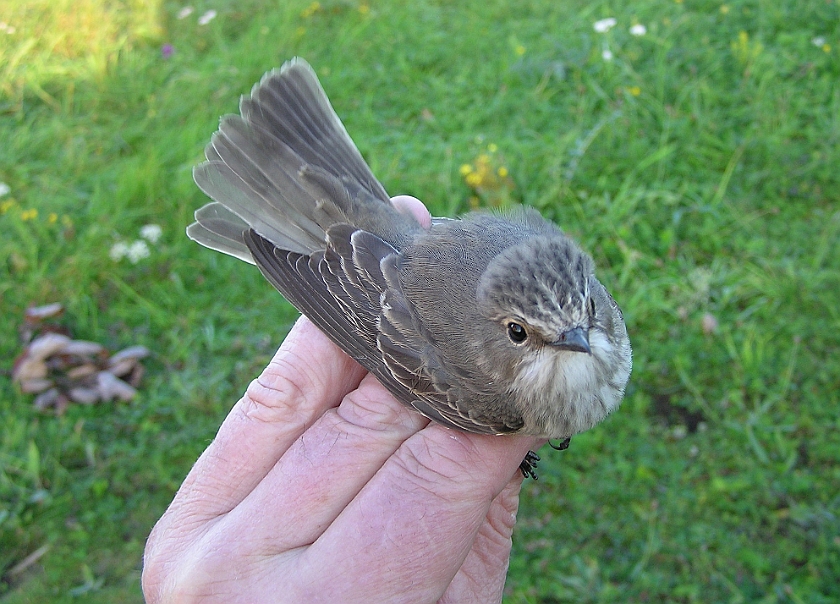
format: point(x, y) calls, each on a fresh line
point(4, 189)
point(5, 27)
point(185, 12)
point(604, 25)
point(638, 30)
point(137, 251)
point(607, 54)
point(118, 251)
point(207, 17)
point(151, 233)
point(819, 41)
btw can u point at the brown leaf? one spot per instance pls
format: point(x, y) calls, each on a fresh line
point(35, 385)
point(123, 367)
point(46, 345)
point(28, 368)
point(82, 371)
point(132, 352)
point(35, 314)
point(111, 387)
point(136, 375)
point(85, 396)
point(46, 399)
point(82, 348)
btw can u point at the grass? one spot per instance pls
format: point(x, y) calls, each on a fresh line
point(700, 167)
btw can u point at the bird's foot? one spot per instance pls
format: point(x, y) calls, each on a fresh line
point(528, 467)
point(562, 446)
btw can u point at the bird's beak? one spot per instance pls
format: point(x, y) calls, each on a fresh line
point(576, 339)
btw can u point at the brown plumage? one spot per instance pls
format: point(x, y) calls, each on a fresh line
point(494, 323)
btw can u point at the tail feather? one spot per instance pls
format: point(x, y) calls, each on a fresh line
point(286, 168)
point(260, 183)
point(220, 229)
point(290, 103)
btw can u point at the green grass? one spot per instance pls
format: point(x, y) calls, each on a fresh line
point(700, 167)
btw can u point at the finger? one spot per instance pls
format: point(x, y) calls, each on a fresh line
point(322, 471)
point(301, 496)
point(406, 204)
point(482, 576)
point(308, 375)
point(418, 517)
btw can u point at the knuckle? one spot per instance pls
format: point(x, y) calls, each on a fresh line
point(279, 393)
point(448, 469)
point(373, 409)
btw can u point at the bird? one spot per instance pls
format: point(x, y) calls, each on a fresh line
point(491, 323)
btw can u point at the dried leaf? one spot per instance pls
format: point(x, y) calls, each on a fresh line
point(82, 348)
point(85, 396)
point(123, 367)
point(136, 375)
point(47, 311)
point(82, 371)
point(46, 345)
point(111, 387)
point(61, 370)
point(28, 368)
point(46, 399)
point(33, 386)
point(132, 352)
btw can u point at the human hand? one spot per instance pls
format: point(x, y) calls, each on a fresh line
point(320, 486)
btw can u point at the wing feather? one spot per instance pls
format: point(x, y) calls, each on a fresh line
point(346, 293)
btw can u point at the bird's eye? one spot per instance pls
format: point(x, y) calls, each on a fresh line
point(516, 333)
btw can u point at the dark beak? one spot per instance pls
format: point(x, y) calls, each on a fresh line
point(576, 339)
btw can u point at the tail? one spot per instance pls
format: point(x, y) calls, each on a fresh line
point(287, 169)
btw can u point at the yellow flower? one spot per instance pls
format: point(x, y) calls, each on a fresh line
point(724, 9)
point(492, 148)
point(52, 218)
point(634, 90)
point(465, 169)
point(364, 8)
point(519, 50)
point(6, 205)
point(30, 214)
point(473, 179)
point(502, 171)
point(745, 50)
point(826, 47)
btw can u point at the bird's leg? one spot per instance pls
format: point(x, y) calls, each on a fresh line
point(528, 467)
point(562, 446)
point(529, 464)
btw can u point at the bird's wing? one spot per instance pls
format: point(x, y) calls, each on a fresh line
point(444, 393)
point(349, 291)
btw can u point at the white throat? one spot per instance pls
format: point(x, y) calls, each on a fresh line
point(562, 392)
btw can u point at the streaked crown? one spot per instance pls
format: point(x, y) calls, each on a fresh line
point(543, 282)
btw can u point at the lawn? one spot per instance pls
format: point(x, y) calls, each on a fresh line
point(691, 147)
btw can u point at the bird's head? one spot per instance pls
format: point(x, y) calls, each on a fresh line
point(565, 355)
